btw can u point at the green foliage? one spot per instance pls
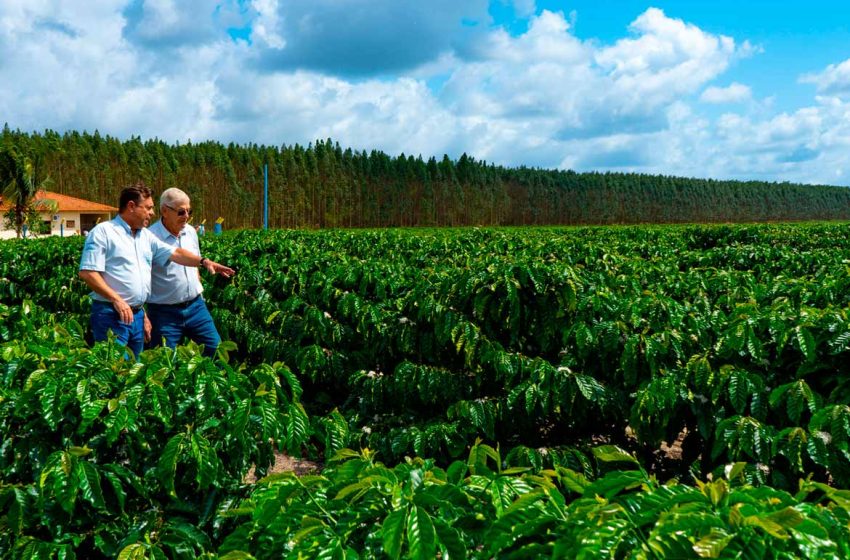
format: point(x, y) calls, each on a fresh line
point(323, 185)
point(416, 510)
point(21, 176)
point(103, 456)
point(579, 352)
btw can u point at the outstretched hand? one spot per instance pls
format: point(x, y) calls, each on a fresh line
point(216, 268)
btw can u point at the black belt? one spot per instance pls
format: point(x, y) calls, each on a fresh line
point(181, 305)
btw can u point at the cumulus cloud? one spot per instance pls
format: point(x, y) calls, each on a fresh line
point(59, 62)
point(542, 98)
point(165, 24)
point(362, 38)
point(807, 145)
point(265, 27)
point(185, 106)
point(733, 93)
point(834, 80)
point(524, 8)
point(548, 84)
point(668, 58)
point(399, 116)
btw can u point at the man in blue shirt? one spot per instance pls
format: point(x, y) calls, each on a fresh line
point(176, 307)
point(116, 265)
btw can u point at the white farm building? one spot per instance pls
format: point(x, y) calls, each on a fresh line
point(72, 216)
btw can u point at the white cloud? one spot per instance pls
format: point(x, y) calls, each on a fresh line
point(180, 106)
point(808, 145)
point(398, 116)
point(167, 24)
point(59, 62)
point(733, 93)
point(542, 98)
point(524, 8)
point(834, 80)
point(366, 38)
point(160, 16)
point(667, 59)
point(781, 131)
point(266, 26)
point(547, 87)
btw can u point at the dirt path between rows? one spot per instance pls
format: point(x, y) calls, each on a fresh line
point(285, 463)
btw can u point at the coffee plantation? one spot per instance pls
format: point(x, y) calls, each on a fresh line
point(623, 392)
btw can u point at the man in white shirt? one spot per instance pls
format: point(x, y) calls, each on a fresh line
point(116, 265)
point(176, 307)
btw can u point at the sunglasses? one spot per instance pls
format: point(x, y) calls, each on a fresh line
point(182, 212)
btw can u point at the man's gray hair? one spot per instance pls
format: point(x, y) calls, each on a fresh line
point(172, 197)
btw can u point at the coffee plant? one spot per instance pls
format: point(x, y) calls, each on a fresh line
point(659, 392)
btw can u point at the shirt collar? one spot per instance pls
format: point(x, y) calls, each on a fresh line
point(181, 233)
point(121, 223)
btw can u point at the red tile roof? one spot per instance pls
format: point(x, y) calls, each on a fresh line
point(67, 203)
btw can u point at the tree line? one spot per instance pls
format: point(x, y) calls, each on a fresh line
point(323, 185)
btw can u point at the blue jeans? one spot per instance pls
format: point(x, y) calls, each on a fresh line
point(173, 322)
point(104, 318)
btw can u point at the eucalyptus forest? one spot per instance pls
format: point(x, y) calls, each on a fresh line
point(324, 185)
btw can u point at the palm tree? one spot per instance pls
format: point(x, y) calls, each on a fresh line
point(19, 183)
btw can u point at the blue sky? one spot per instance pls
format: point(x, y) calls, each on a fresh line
point(722, 89)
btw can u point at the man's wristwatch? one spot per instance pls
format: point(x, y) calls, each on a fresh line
point(203, 262)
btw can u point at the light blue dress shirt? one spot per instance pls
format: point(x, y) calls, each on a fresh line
point(170, 282)
point(124, 260)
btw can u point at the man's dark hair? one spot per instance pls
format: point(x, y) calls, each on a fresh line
point(135, 193)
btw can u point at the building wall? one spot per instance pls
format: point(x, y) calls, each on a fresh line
point(63, 223)
point(73, 223)
point(67, 223)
